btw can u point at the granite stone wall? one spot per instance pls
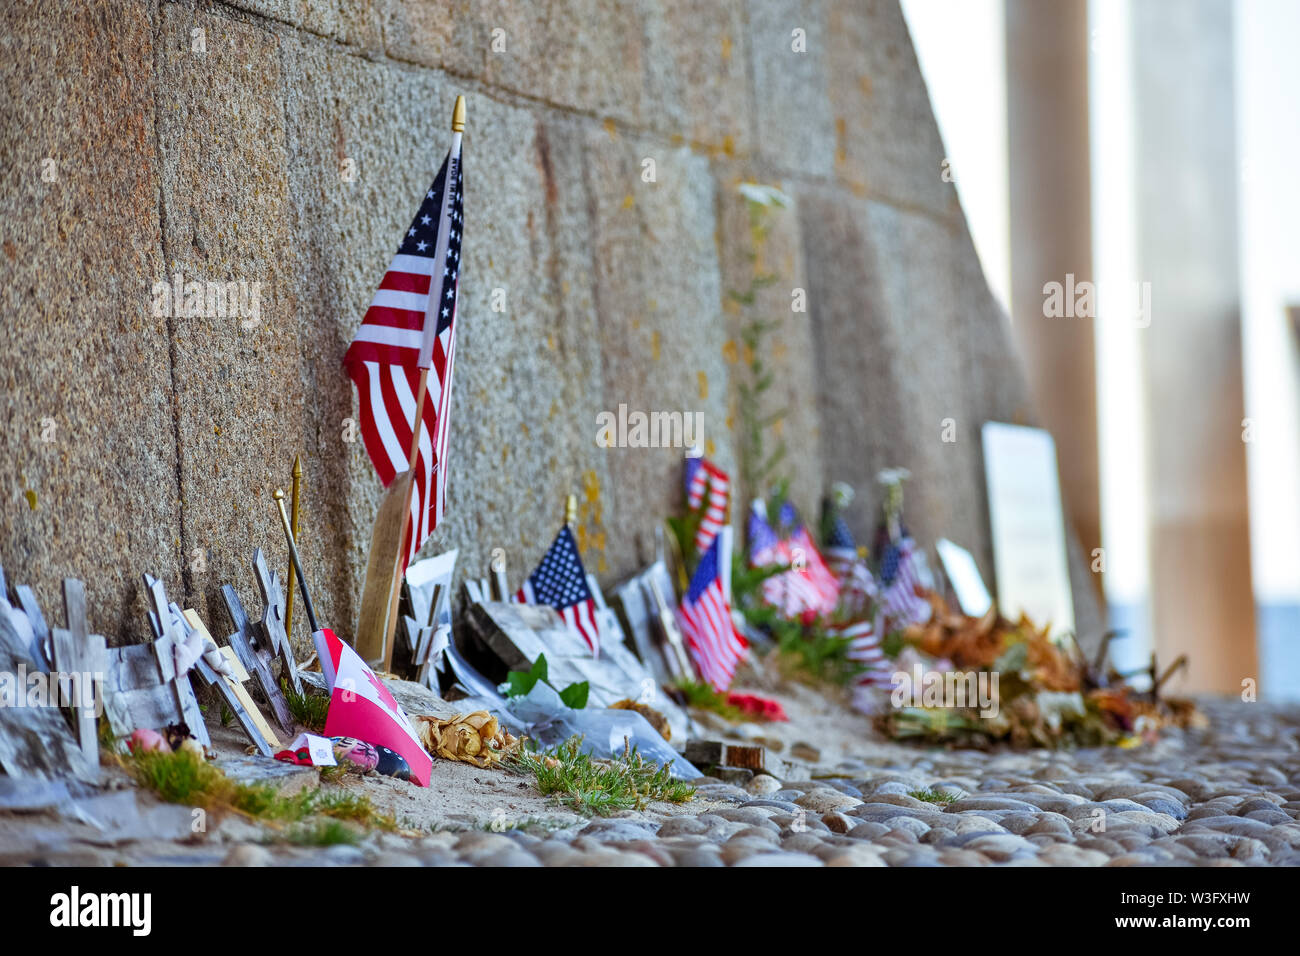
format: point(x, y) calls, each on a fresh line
point(285, 143)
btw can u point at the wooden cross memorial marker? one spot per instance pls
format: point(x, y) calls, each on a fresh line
point(83, 657)
point(35, 741)
point(272, 623)
point(40, 648)
point(254, 661)
point(143, 689)
point(233, 692)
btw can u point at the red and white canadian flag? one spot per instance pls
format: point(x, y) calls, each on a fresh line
point(362, 707)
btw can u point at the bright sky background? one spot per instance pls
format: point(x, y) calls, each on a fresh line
point(960, 46)
point(1268, 147)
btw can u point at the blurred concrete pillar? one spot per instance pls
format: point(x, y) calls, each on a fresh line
point(1186, 186)
point(1051, 239)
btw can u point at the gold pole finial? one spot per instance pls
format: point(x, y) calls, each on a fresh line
point(297, 466)
point(571, 509)
point(458, 116)
point(277, 494)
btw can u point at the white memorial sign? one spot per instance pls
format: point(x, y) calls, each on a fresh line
point(1029, 551)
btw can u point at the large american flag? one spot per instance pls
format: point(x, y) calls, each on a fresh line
point(899, 578)
point(410, 326)
point(707, 487)
point(705, 616)
point(561, 582)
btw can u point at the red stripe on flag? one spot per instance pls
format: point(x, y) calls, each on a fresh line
point(392, 318)
point(405, 282)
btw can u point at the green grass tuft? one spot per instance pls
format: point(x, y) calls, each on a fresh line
point(814, 651)
point(341, 805)
point(701, 695)
point(308, 708)
point(599, 787)
point(185, 778)
point(325, 833)
point(931, 796)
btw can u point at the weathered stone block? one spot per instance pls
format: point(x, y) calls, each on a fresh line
point(226, 220)
point(453, 35)
point(527, 371)
point(355, 22)
point(762, 254)
point(661, 332)
point(793, 119)
point(88, 440)
point(586, 55)
point(887, 143)
point(901, 308)
point(697, 84)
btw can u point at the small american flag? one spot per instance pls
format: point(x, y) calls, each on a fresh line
point(857, 584)
point(900, 577)
point(864, 647)
point(858, 588)
point(410, 326)
point(763, 541)
point(561, 582)
point(705, 617)
point(808, 587)
point(841, 549)
point(709, 487)
point(820, 589)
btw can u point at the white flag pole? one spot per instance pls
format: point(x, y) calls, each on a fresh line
point(426, 360)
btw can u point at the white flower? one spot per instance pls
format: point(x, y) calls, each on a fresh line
point(841, 494)
point(893, 476)
point(764, 195)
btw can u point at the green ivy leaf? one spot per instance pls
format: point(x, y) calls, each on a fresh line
point(522, 682)
point(575, 695)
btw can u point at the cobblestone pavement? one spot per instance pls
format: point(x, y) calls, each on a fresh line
point(1227, 796)
point(1224, 796)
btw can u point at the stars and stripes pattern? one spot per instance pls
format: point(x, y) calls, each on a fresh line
point(809, 584)
point(841, 549)
point(708, 487)
point(705, 618)
point(900, 578)
point(561, 582)
point(763, 540)
point(848, 563)
point(858, 588)
point(410, 326)
point(864, 647)
point(811, 580)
